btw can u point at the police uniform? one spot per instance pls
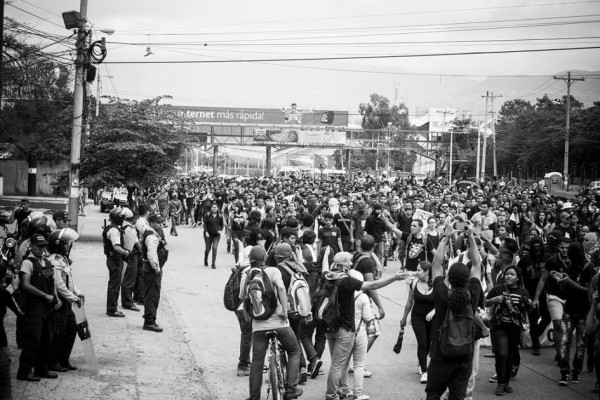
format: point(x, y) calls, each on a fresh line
point(36, 339)
point(114, 262)
point(154, 257)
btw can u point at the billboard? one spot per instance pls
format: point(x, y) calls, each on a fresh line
point(299, 136)
point(266, 116)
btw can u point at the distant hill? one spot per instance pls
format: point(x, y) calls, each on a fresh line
point(464, 93)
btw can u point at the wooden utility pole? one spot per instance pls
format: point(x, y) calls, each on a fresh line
point(494, 136)
point(484, 147)
point(569, 81)
point(445, 112)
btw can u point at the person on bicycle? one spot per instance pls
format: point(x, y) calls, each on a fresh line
point(277, 322)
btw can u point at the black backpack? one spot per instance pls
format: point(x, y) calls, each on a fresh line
point(456, 334)
point(231, 294)
point(326, 308)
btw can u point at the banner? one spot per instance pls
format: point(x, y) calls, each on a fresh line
point(282, 136)
point(267, 116)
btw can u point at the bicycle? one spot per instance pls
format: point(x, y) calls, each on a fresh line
point(276, 368)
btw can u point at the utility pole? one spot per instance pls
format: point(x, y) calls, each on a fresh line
point(569, 81)
point(494, 136)
point(80, 64)
point(484, 147)
point(451, 140)
point(477, 171)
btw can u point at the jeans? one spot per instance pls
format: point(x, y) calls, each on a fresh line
point(341, 343)
point(359, 356)
point(211, 242)
point(572, 323)
point(152, 285)
point(313, 351)
point(129, 277)
point(506, 344)
point(422, 330)
point(245, 339)
point(471, 383)
point(260, 344)
point(115, 273)
point(65, 332)
point(174, 223)
point(450, 374)
point(5, 391)
point(295, 323)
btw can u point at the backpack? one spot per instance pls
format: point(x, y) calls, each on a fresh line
point(359, 260)
point(261, 301)
point(326, 309)
point(298, 292)
point(231, 294)
point(456, 334)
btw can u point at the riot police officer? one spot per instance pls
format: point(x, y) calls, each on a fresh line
point(112, 238)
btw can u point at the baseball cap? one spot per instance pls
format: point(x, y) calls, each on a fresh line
point(257, 253)
point(283, 250)
point(155, 218)
point(38, 240)
point(61, 216)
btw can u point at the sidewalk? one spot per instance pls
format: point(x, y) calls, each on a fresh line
point(52, 203)
point(134, 364)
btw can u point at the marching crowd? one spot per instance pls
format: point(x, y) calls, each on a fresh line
point(504, 262)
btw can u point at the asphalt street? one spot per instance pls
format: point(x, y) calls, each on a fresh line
point(196, 356)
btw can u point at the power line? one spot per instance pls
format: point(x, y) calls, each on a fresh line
point(110, 78)
point(371, 28)
point(357, 57)
point(32, 14)
point(362, 17)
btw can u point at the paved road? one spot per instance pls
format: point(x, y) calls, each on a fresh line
point(196, 356)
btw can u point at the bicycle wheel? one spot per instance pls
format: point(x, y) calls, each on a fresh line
point(282, 371)
point(273, 381)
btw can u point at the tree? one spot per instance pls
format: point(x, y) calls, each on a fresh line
point(383, 121)
point(35, 122)
point(532, 136)
point(133, 143)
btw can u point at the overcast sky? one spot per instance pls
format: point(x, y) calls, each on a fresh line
point(179, 31)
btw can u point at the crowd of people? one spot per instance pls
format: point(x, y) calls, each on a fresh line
point(536, 257)
point(519, 259)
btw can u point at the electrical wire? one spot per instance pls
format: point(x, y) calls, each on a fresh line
point(34, 15)
point(110, 78)
point(358, 57)
point(363, 16)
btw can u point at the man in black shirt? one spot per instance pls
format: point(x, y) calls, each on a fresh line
point(253, 235)
point(343, 220)
point(20, 214)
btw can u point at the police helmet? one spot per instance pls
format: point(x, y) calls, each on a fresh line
point(33, 225)
point(117, 216)
point(59, 238)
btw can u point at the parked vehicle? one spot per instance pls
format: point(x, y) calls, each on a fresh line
point(108, 202)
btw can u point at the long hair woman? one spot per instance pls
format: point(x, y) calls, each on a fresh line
point(461, 287)
point(421, 309)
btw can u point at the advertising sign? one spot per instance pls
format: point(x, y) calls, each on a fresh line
point(266, 116)
point(299, 136)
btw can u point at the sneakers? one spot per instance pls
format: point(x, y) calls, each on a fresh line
point(424, 377)
point(575, 378)
point(564, 380)
point(499, 389)
point(303, 376)
point(368, 374)
point(243, 371)
point(293, 393)
point(494, 378)
point(152, 327)
point(361, 397)
point(314, 371)
point(508, 388)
